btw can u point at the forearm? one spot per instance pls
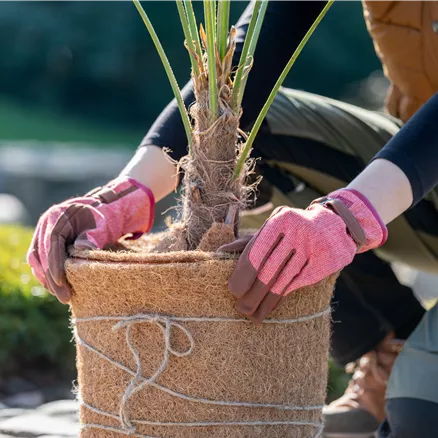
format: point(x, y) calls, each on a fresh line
point(154, 169)
point(386, 187)
point(406, 169)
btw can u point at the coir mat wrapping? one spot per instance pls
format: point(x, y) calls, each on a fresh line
point(162, 353)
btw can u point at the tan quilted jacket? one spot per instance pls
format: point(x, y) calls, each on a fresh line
point(405, 35)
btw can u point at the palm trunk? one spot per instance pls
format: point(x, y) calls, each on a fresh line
point(211, 194)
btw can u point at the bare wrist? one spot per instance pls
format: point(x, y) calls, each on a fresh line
point(153, 168)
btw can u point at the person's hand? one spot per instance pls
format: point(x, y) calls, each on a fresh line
point(297, 248)
point(95, 220)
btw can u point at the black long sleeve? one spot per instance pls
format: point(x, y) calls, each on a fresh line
point(285, 24)
point(414, 149)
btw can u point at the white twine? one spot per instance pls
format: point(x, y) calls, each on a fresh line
point(139, 435)
point(138, 382)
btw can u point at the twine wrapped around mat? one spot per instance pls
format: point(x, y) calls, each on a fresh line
point(166, 323)
point(162, 352)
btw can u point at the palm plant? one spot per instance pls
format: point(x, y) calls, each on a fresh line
point(217, 165)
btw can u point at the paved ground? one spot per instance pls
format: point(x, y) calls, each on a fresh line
point(51, 420)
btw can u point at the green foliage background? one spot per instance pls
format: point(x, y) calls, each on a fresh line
point(93, 63)
point(34, 326)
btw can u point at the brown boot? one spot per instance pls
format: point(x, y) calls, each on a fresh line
point(358, 413)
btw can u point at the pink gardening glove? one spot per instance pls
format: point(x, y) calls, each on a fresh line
point(297, 248)
point(95, 220)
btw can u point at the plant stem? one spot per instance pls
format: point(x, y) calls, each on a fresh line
point(223, 20)
point(209, 13)
point(247, 149)
point(244, 55)
point(169, 72)
point(188, 36)
point(251, 50)
point(193, 26)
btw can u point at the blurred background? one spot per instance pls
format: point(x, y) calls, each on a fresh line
point(80, 84)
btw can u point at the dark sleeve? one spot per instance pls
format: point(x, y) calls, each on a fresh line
point(414, 149)
point(285, 24)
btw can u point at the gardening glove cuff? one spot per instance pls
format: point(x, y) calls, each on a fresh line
point(361, 219)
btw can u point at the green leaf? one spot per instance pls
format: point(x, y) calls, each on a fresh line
point(249, 142)
point(244, 56)
point(223, 23)
point(169, 72)
point(187, 35)
point(193, 26)
point(251, 51)
point(210, 24)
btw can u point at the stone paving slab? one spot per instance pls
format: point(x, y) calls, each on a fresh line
point(7, 413)
point(60, 408)
point(48, 436)
point(38, 424)
point(52, 420)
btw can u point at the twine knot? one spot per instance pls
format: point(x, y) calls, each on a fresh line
point(165, 323)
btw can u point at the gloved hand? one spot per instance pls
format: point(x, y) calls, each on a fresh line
point(297, 248)
point(92, 221)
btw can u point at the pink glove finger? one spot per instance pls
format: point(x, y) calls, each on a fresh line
point(238, 245)
point(280, 288)
point(266, 278)
point(41, 249)
point(66, 227)
point(269, 303)
point(99, 236)
point(289, 272)
point(247, 270)
point(37, 270)
point(33, 247)
point(63, 293)
point(33, 259)
point(245, 273)
point(84, 241)
point(273, 265)
point(308, 276)
point(250, 301)
point(44, 233)
point(57, 257)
